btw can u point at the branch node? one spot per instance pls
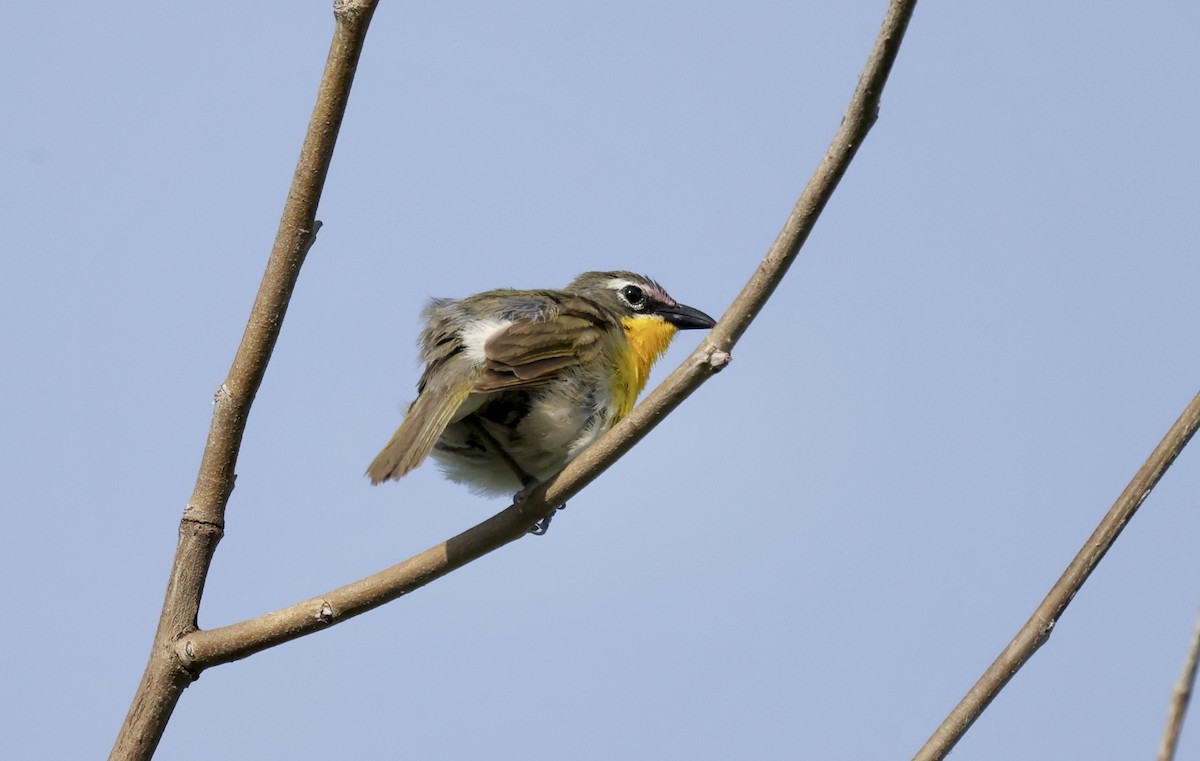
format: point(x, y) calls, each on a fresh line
point(184, 650)
point(201, 525)
point(718, 359)
point(325, 613)
point(347, 9)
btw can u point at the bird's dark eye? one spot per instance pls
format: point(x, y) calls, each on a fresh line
point(634, 296)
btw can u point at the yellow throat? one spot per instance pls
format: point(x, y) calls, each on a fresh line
point(648, 336)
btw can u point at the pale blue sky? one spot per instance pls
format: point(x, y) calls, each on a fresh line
point(991, 327)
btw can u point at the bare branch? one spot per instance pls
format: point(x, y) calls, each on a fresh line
point(1180, 696)
point(1037, 629)
point(202, 649)
point(204, 516)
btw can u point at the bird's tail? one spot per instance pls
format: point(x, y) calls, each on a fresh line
point(422, 427)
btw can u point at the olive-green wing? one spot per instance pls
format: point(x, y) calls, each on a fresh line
point(531, 353)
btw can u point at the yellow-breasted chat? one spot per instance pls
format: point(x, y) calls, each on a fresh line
point(518, 383)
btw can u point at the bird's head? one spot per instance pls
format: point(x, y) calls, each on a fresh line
point(649, 318)
point(637, 298)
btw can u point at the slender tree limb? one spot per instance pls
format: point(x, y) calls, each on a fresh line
point(203, 522)
point(1180, 696)
point(203, 649)
point(1037, 629)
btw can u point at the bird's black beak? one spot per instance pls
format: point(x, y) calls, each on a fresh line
point(685, 317)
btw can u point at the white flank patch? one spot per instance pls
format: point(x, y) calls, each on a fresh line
point(475, 335)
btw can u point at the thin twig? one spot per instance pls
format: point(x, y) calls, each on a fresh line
point(203, 649)
point(203, 522)
point(1180, 696)
point(1037, 629)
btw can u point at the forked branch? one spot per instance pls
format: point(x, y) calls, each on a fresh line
point(180, 651)
point(203, 649)
point(203, 521)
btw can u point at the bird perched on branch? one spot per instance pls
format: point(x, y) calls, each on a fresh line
point(518, 383)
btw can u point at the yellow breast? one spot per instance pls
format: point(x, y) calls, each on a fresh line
point(648, 337)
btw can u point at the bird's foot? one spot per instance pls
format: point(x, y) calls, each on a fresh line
point(543, 524)
point(539, 528)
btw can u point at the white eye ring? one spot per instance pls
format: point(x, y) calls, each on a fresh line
point(633, 296)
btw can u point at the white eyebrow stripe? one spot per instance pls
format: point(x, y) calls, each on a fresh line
point(653, 290)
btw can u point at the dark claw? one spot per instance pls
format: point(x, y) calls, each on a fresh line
point(540, 528)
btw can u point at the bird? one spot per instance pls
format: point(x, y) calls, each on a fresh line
point(518, 382)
